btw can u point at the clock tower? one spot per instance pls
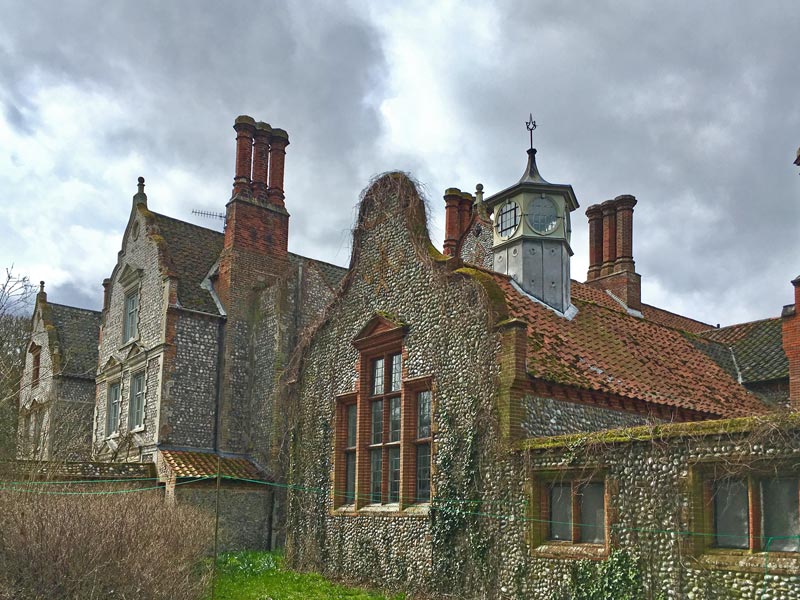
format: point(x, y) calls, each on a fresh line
point(531, 223)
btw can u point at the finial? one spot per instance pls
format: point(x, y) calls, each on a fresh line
point(140, 197)
point(530, 125)
point(41, 287)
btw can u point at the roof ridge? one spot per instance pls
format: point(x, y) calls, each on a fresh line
point(324, 262)
point(743, 323)
point(182, 222)
point(672, 312)
point(91, 310)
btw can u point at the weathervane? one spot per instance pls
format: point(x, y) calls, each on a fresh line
point(531, 125)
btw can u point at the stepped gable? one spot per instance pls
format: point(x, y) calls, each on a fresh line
point(184, 463)
point(757, 346)
point(604, 349)
point(77, 331)
point(193, 250)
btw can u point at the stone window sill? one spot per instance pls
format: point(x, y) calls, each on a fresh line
point(746, 561)
point(555, 549)
point(387, 510)
point(138, 429)
point(113, 436)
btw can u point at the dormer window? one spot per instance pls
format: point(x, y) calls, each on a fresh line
point(131, 318)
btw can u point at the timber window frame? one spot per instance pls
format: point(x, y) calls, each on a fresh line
point(136, 401)
point(390, 460)
point(560, 521)
point(113, 403)
point(737, 513)
point(130, 280)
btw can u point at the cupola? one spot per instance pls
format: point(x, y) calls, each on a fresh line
point(532, 233)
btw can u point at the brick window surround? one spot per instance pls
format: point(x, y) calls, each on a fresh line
point(570, 514)
point(380, 433)
point(739, 512)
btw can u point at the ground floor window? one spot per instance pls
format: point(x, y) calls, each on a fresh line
point(756, 513)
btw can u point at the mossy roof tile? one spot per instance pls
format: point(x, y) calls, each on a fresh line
point(185, 463)
point(77, 330)
point(604, 349)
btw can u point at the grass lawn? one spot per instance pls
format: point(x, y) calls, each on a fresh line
point(261, 576)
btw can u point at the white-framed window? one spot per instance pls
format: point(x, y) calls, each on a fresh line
point(136, 404)
point(112, 408)
point(131, 316)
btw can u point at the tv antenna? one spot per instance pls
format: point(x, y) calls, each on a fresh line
point(210, 214)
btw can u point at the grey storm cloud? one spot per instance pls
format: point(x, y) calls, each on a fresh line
point(693, 108)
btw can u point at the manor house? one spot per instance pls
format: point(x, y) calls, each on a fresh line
point(471, 421)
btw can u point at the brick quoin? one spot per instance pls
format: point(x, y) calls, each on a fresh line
point(791, 345)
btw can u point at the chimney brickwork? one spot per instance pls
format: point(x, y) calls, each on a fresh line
point(790, 333)
point(254, 258)
point(452, 220)
point(611, 264)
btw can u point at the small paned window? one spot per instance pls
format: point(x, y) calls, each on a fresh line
point(397, 372)
point(394, 419)
point(112, 409)
point(376, 475)
point(507, 219)
point(350, 455)
point(576, 512)
point(377, 421)
point(377, 377)
point(394, 474)
point(424, 414)
point(387, 459)
point(36, 359)
point(423, 442)
point(131, 320)
point(136, 408)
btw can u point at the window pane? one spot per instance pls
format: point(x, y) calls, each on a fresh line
point(561, 511)
point(394, 420)
point(377, 422)
point(779, 499)
point(112, 409)
point(131, 316)
point(424, 414)
point(351, 425)
point(137, 401)
point(350, 478)
point(394, 474)
point(731, 519)
point(423, 473)
point(376, 460)
point(397, 372)
point(377, 376)
point(593, 513)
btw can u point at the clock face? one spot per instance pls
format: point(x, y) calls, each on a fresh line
point(543, 217)
point(507, 219)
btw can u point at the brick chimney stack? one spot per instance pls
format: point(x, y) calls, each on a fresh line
point(595, 216)
point(245, 129)
point(278, 141)
point(790, 333)
point(457, 216)
point(611, 264)
point(452, 220)
point(257, 224)
point(261, 160)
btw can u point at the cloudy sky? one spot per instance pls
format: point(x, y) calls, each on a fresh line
point(692, 107)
